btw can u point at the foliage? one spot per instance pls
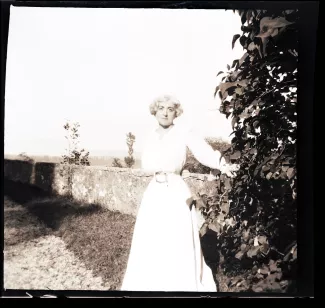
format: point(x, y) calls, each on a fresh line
point(129, 160)
point(253, 215)
point(117, 163)
point(25, 157)
point(74, 155)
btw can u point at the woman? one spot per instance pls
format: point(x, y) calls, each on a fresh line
point(165, 252)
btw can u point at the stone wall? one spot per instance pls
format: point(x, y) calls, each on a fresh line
point(117, 189)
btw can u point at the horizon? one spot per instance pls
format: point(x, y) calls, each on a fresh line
point(102, 153)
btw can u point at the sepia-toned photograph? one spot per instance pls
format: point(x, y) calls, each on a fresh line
point(151, 149)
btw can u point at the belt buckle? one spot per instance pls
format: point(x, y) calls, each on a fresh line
point(159, 173)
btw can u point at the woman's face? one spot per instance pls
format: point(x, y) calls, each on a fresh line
point(166, 113)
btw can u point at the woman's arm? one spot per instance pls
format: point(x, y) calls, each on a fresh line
point(204, 153)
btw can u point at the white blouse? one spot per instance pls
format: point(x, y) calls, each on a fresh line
point(168, 153)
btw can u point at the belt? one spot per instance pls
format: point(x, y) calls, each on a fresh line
point(162, 176)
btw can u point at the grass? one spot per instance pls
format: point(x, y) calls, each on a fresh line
point(99, 238)
point(19, 226)
point(102, 241)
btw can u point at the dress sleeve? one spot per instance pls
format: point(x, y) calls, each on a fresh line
point(203, 152)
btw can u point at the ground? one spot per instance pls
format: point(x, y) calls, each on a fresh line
point(58, 256)
point(53, 243)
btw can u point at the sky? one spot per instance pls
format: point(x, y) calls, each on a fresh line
point(103, 67)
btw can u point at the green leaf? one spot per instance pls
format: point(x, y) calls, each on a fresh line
point(265, 248)
point(234, 121)
point(189, 201)
point(227, 184)
point(234, 63)
point(288, 12)
point(249, 15)
point(216, 91)
point(277, 22)
point(226, 86)
point(236, 155)
point(284, 283)
point(245, 235)
point(273, 268)
point(258, 289)
point(225, 208)
point(220, 217)
point(243, 16)
point(262, 239)
point(215, 228)
point(242, 59)
point(200, 203)
point(239, 91)
point(203, 230)
point(255, 124)
point(283, 175)
point(265, 168)
point(253, 252)
point(263, 271)
point(239, 255)
point(291, 173)
point(238, 190)
point(269, 175)
point(234, 39)
point(253, 151)
point(252, 46)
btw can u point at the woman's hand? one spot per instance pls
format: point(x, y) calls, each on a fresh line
point(229, 169)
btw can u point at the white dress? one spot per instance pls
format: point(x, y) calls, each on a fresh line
point(165, 253)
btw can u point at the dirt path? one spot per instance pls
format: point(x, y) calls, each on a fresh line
point(36, 259)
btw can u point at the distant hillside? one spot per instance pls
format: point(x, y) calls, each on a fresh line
point(118, 154)
point(94, 160)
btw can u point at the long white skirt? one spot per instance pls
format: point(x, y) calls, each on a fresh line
point(165, 252)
